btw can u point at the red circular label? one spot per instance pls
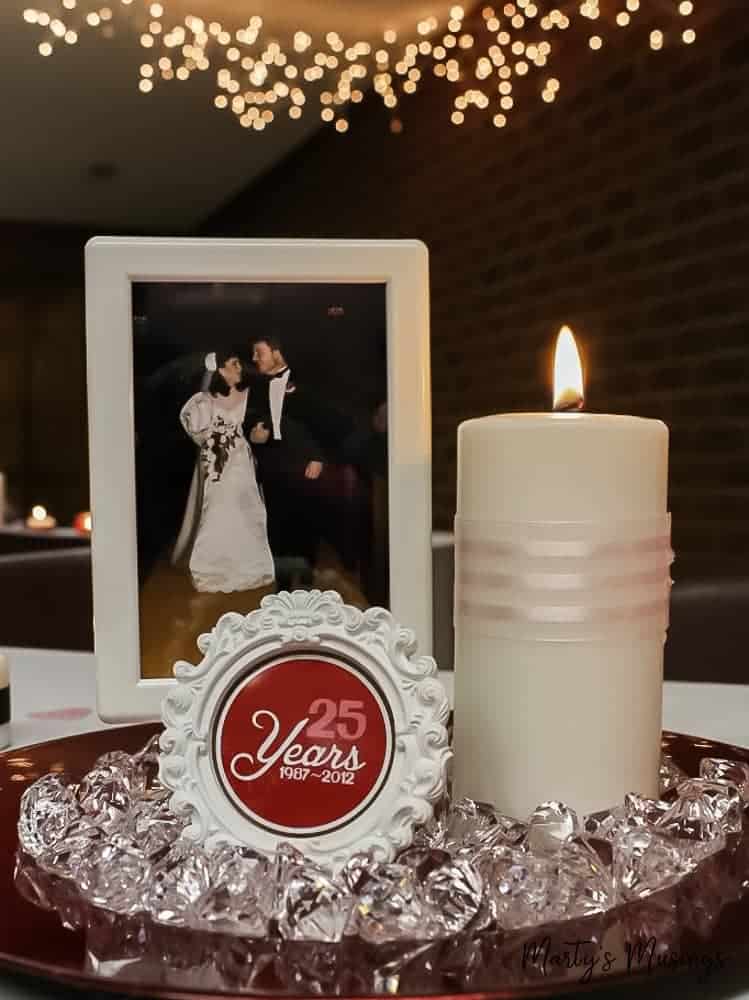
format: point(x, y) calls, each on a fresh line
point(303, 744)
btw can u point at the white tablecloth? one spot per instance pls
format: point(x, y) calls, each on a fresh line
point(61, 688)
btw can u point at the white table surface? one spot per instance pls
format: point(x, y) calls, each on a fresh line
point(62, 686)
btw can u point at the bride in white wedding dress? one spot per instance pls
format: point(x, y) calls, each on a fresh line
point(224, 529)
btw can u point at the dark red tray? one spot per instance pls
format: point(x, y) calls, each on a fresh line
point(702, 924)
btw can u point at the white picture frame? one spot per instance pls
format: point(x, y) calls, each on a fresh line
point(375, 648)
point(113, 264)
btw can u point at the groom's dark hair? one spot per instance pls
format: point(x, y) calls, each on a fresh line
point(273, 341)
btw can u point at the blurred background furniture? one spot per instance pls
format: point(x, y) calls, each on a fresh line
point(47, 599)
point(709, 632)
point(17, 538)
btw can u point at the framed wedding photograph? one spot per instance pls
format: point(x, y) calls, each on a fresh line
point(259, 422)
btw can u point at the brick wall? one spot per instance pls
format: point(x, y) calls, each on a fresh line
point(44, 441)
point(622, 209)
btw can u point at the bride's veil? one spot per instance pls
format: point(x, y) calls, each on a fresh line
point(190, 521)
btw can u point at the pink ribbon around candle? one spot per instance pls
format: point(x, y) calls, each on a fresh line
point(563, 580)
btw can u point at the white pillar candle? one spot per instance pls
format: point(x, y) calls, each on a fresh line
point(562, 584)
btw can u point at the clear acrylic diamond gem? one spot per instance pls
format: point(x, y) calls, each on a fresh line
point(177, 883)
point(454, 891)
point(116, 875)
point(550, 825)
point(645, 861)
point(315, 907)
point(670, 773)
point(48, 808)
point(734, 772)
point(391, 906)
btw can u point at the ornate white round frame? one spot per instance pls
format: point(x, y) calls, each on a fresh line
point(309, 621)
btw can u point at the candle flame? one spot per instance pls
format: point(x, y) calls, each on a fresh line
point(38, 512)
point(568, 373)
point(87, 522)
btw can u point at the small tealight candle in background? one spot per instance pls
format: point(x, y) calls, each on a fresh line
point(4, 702)
point(40, 520)
point(82, 522)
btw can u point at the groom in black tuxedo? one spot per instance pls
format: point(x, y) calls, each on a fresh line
point(284, 425)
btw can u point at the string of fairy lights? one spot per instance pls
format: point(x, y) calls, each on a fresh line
point(486, 61)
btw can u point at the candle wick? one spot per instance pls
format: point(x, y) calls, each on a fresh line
point(567, 407)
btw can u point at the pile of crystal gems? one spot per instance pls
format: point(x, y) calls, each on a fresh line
point(115, 841)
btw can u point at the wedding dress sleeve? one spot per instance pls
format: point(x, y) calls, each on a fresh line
point(195, 417)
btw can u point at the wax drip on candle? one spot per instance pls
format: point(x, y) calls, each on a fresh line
point(568, 373)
